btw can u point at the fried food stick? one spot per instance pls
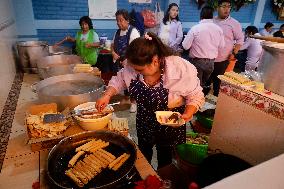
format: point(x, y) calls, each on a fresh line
point(116, 161)
point(105, 156)
point(75, 158)
point(85, 146)
point(120, 163)
point(107, 153)
point(71, 175)
point(102, 145)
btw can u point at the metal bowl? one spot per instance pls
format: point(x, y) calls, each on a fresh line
point(57, 65)
point(57, 50)
point(70, 90)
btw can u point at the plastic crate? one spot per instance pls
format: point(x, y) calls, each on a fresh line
point(206, 122)
point(192, 153)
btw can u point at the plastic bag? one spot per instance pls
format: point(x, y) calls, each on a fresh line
point(253, 75)
point(158, 13)
point(149, 18)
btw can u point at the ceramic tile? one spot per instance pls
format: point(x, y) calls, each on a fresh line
point(17, 145)
point(7, 115)
point(20, 172)
point(226, 127)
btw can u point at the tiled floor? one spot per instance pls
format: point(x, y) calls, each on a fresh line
point(19, 162)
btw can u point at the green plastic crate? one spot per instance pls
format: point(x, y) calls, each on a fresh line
point(206, 122)
point(192, 153)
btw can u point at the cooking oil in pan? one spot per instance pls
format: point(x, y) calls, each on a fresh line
point(59, 165)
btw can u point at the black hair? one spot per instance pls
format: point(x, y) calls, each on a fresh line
point(251, 30)
point(282, 26)
point(87, 20)
point(141, 50)
point(223, 1)
point(167, 14)
point(218, 166)
point(278, 34)
point(268, 25)
point(124, 13)
point(206, 12)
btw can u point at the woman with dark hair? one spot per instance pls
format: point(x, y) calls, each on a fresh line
point(121, 40)
point(170, 31)
point(122, 37)
point(254, 49)
point(87, 41)
point(267, 31)
point(158, 81)
point(280, 32)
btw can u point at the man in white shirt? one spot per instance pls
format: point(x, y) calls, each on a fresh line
point(204, 40)
point(234, 39)
point(254, 48)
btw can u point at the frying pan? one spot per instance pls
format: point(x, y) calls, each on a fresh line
point(60, 154)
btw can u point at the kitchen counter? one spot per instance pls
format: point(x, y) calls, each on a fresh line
point(21, 166)
point(248, 124)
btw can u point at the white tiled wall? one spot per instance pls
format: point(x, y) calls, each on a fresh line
point(7, 39)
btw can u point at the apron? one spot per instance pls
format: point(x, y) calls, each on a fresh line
point(89, 55)
point(149, 100)
point(120, 46)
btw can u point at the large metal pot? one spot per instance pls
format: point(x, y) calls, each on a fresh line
point(57, 65)
point(56, 50)
point(29, 52)
point(272, 66)
point(60, 155)
point(69, 90)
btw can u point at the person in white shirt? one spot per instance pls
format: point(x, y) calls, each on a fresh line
point(254, 48)
point(204, 40)
point(267, 31)
point(170, 31)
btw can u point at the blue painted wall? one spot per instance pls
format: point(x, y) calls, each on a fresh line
point(54, 19)
point(66, 10)
point(189, 12)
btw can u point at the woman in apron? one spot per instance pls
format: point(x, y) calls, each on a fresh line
point(87, 41)
point(158, 81)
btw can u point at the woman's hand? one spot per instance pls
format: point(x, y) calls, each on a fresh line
point(89, 45)
point(102, 102)
point(188, 112)
point(115, 56)
point(69, 38)
point(187, 117)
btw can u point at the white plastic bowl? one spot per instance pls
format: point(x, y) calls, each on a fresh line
point(92, 124)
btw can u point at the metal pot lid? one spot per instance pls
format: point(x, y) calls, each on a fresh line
point(32, 43)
